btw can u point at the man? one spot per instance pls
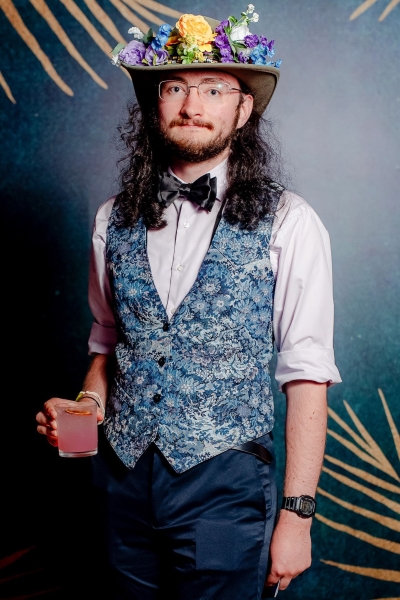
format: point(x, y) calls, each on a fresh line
point(196, 264)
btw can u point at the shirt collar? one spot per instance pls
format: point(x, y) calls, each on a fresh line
point(220, 172)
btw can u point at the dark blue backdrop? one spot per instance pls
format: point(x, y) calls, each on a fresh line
point(337, 110)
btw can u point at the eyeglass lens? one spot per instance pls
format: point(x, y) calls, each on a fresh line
point(211, 92)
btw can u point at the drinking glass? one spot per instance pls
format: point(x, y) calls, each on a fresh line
point(77, 428)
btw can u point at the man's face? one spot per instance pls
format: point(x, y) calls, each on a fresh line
point(194, 129)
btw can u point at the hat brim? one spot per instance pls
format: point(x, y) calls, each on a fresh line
point(260, 79)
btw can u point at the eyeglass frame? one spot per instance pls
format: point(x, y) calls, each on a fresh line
point(194, 86)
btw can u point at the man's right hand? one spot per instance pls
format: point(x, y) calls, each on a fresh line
point(47, 419)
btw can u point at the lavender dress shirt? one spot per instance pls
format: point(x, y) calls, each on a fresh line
point(301, 262)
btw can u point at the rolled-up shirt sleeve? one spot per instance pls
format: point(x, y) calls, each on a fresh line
point(303, 301)
point(103, 335)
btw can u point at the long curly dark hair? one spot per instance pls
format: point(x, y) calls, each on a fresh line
point(253, 163)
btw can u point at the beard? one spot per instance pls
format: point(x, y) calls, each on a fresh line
point(193, 151)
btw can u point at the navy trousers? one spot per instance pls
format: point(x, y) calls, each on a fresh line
point(200, 535)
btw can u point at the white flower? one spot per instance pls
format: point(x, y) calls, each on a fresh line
point(239, 32)
point(115, 60)
point(255, 17)
point(250, 9)
point(135, 31)
point(246, 51)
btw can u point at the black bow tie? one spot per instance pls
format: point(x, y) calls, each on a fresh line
point(203, 191)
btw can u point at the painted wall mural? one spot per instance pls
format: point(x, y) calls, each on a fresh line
point(337, 111)
point(131, 10)
point(369, 451)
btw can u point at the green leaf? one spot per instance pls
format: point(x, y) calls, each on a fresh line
point(232, 20)
point(239, 45)
point(231, 45)
point(118, 49)
point(189, 58)
point(148, 36)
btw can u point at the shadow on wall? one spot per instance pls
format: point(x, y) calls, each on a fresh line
point(44, 356)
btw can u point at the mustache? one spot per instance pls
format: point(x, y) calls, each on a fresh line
point(197, 122)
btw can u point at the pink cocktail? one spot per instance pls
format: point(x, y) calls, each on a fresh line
point(77, 428)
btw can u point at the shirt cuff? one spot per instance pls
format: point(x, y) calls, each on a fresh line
point(102, 340)
point(316, 364)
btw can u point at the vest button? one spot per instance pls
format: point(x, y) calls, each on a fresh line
point(165, 326)
point(157, 398)
point(161, 361)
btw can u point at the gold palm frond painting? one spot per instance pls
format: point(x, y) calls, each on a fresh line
point(134, 11)
point(131, 10)
point(368, 3)
point(362, 445)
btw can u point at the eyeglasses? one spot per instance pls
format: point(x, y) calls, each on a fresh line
point(213, 92)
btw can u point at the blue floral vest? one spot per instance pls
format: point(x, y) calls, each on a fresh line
point(198, 384)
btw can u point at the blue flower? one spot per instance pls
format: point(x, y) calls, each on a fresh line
point(257, 56)
point(162, 37)
point(260, 53)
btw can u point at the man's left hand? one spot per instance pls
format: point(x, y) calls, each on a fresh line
point(290, 549)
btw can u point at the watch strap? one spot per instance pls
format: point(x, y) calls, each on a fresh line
point(294, 504)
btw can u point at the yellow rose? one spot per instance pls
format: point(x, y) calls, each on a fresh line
point(197, 27)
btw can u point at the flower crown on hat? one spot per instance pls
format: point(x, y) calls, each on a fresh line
point(192, 40)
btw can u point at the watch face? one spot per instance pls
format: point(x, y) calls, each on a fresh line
point(307, 506)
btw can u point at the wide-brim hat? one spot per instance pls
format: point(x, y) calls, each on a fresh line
point(261, 79)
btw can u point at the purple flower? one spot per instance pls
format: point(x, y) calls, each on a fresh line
point(268, 45)
point(271, 49)
point(221, 26)
point(155, 57)
point(162, 37)
point(251, 40)
point(221, 41)
point(133, 53)
point(243, 58)
point(226, 54)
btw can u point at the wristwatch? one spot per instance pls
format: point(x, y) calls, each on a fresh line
point(304, 506)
